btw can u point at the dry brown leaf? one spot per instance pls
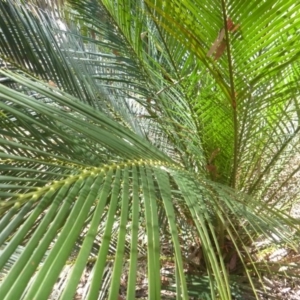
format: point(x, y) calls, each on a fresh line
point(213, 155)
point(212, 169)
point(220, 50)
point(115, 52)
point(235, 28)
point(217, 42)
point(231, 26)
point(52, 83)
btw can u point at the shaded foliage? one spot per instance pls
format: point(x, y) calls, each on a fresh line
point(122, 138)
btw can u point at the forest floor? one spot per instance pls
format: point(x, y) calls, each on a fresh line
point(275, 287)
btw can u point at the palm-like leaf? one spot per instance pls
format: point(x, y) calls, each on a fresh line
point(119, 134)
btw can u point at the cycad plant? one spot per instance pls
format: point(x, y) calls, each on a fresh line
point(147, 140)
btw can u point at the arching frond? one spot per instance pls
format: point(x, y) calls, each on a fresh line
point(146, 141)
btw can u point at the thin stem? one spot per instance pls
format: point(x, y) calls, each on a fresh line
point(232, 99)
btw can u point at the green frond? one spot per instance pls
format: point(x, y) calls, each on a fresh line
point(147, 137)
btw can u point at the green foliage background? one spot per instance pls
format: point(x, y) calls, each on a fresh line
point(120, 138)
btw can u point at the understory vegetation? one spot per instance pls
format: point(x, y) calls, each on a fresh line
point(149, 149)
